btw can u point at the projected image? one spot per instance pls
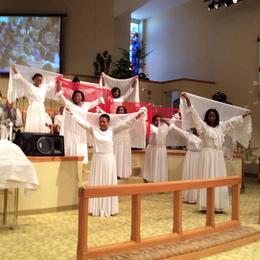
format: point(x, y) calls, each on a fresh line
point(30, 41)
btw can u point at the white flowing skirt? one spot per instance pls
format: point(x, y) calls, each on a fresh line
point(190, 172)
point(103, 172)
point(35, 118)
point(155, 163)
point(212, 165)
point(75, 138)
point(122, 150)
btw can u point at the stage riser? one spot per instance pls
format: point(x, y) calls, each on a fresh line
point(58, 178)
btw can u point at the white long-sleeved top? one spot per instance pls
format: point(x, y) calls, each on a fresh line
point(193, 142)
point(34, 93)
point(103, 140)
point(159, 134)
point(213, 137)
point(86, 106)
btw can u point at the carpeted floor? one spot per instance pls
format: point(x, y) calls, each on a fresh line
point(54, 235)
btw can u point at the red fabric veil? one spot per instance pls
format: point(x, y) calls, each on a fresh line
point(165, 112)
point(90, 92)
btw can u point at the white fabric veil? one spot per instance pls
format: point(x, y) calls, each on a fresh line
point(242, 134)
point(123, 85)
point(174, 138)
point(17, 90)
point(137, 129)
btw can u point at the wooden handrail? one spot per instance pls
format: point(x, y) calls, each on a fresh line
point(136, 190)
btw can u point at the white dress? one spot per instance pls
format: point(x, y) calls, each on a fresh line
point(35, 115)
point(191, 161)
point(155, 160)
point(103, 167)
point(211, 161)
point(76, 138)
point(122, 149)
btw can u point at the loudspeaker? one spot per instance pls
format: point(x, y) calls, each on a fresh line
point(37, 144)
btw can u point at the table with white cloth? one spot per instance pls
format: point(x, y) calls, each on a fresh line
point(16, 171)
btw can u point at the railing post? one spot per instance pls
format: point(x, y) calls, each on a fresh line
point(136, 218)
point(5, 206)
point(235, 202)
point(82, 226)
point(177, 212)
point(210, 218)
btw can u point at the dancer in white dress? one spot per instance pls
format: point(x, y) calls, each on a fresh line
point(103, 164)
point(36, 92)
point(191, 160)
point(116, 93)
point(155, 160)
point(75, 137)
point(122, 149)
point(130, 88)
point(211, 161)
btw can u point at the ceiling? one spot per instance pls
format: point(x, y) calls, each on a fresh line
point(143, 9)
point(155, 7)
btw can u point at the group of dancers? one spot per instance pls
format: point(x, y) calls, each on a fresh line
point(112, 130)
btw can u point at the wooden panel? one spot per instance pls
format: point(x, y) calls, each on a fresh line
point(136, 218)
point(210, 217)
point(82, 226)
point(177, 212)
point(235, 202)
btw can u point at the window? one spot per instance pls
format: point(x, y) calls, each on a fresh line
point(135, 45)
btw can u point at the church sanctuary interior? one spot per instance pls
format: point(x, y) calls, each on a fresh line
point(130, 129)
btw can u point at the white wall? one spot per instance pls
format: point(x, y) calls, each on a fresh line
point(190, 41)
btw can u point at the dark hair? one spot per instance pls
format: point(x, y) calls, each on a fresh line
point(113, 90)
point(206, 118)
point(105, 116)
point(194, 131)
point(125, 110)
point(154, 117)
point(76, 79)
point(81, 93)
point(36, 75)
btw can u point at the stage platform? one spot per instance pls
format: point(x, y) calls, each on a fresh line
point(60, 177)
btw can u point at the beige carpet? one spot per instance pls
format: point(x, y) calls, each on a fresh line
point(53, 236)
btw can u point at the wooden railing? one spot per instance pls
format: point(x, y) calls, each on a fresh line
point(136, 191)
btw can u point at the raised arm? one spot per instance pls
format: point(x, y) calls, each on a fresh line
point(129, 91)
point(66, 102)
point(82, 122)
point(126, 124)
point(198, 122)
point(19, 77)
point(179, 131)
point(95, 102)
point(185, 96)
point(234, 122)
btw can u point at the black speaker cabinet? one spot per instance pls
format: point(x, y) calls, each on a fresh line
point(37, 144)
